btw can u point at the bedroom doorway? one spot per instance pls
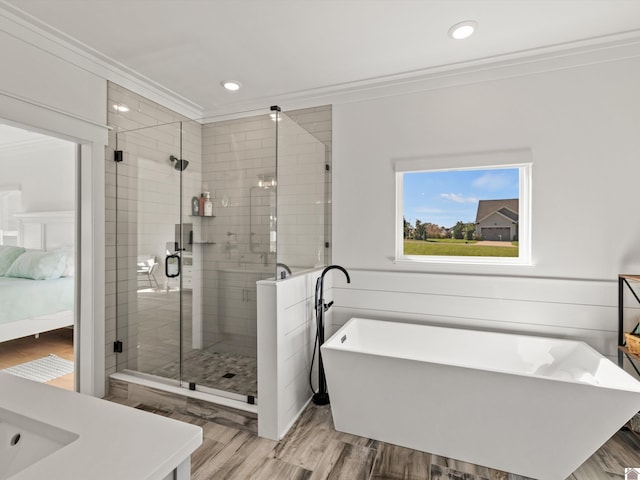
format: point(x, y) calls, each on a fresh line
point(38, 232)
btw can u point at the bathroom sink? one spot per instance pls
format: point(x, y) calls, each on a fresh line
point(24, 441)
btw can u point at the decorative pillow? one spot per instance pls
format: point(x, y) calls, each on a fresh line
point(38, 265)
point(8, 254)
point(69, 256)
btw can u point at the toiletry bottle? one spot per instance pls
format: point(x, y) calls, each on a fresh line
point(201, 205)
point(208, 205)
point(195, 206)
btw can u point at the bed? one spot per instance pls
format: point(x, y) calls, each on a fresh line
point(32, 306)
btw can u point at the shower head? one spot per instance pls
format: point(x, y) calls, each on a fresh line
point(180, 164)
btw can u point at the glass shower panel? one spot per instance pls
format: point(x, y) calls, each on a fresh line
point(231, 251)
point(301, 199)
point(150, 248)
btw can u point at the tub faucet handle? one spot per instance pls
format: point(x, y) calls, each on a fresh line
point(327, 306)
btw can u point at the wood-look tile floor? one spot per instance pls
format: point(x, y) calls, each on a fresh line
point(59, 342)
point(314, 450)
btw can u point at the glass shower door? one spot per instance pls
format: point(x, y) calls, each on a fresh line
point(231, 252)
point(151, 242)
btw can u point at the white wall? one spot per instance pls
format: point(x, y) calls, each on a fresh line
point(581, 125)
point(32, 69)
point(45, 174)
point(42, 92)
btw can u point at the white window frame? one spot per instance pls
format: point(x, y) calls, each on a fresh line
point(520, 159)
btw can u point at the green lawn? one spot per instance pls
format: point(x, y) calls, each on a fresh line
point(457, 248)
point(444, 240)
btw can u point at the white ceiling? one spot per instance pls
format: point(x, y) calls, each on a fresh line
point(286, 49)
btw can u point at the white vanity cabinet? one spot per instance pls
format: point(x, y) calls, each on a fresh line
point(187, 272)
point(237, 302)
point(104, 440)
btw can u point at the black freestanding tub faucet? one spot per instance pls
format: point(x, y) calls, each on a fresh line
point(321, 397)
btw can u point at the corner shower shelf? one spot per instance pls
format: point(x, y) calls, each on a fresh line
point(629, 355)
point(203, 243)
point(203, 216)
point(623, 351)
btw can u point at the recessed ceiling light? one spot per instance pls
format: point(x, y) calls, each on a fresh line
point(119, 107)
point(231, 85)
point(463, 30)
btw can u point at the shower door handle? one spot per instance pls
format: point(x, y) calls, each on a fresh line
point(172, 265)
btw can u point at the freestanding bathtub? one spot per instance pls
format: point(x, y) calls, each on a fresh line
point(533, 406)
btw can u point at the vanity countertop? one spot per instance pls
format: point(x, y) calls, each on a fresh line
point(114, 441)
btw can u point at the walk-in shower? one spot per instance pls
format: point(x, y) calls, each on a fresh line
point(267, 178)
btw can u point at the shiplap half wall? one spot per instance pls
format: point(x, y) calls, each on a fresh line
point(286, 333)
point(584, 310)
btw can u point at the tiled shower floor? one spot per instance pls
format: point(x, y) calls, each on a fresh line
point(228, 365)
point(224, 371)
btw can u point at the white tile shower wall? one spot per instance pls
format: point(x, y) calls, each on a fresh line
point(301, 197)
point(318, 121)
point(147, 207)
point(236, 153)
point(286, 334)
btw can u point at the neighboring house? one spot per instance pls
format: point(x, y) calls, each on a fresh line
point(497, 220)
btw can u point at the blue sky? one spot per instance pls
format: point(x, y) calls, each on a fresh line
point(445, 197)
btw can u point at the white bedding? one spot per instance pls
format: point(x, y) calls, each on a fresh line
point(26, 299)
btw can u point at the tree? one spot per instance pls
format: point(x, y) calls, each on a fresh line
point(470, 230)
point(434, 231)
point(408, 231)
point(420, 231)
point(458, 230)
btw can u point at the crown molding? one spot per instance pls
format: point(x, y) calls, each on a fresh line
point(563, 56)
point(32, 31)
point(527, 62)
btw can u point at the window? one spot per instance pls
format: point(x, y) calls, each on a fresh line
point(471, 212)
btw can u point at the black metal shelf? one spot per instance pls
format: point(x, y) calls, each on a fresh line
point(623, 351)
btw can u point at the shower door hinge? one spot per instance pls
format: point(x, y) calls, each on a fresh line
point(117, 346)
point(251, 400)
point(327, 167)
point(117, 156)
point(326, 244)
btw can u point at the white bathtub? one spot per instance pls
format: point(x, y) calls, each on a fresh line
point(533, 406)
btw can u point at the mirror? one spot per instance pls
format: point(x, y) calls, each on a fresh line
point(263, 219)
